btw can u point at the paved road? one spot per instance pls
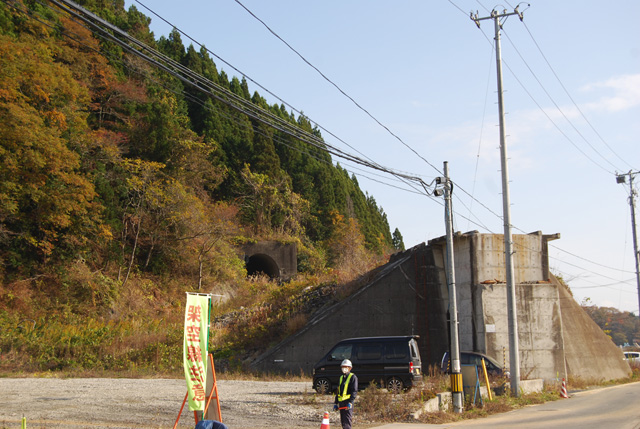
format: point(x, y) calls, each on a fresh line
point(611, 407)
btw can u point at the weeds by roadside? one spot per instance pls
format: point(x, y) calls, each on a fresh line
point(379, 405)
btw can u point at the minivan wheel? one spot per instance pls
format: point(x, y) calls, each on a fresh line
point(395, 385)
point(323, 386)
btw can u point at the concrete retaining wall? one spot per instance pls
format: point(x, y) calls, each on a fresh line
point(395, 302)
point(409, 296)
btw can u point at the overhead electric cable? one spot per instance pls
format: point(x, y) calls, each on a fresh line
point(340, 89)
point(458, 7)
point(592, 262)
point(195, 100)
point(221, 94)
point(515, 76)
point(573, 101)
point(259, 85)
point(556, 104)
point(186, 35)
point(609, 285)
point(484, 112)
point(299, 112)
point(349, 97)
point(478, 221)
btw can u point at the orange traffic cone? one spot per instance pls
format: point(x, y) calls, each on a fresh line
point(563, 390)
point(325, 421)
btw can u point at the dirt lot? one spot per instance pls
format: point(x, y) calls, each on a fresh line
point(154, 403)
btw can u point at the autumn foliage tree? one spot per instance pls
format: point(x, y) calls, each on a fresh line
point(346, 247)
point(47, 207)
point(622, 327)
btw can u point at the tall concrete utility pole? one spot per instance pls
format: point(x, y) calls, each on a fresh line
point(621, 178)
point(514, 356)
point(457, 390)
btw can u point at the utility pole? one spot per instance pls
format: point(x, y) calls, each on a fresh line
point(457, 391)
point(621, 178)
point(514, 358)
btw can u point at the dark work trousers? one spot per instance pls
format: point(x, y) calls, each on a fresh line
point(346, 416)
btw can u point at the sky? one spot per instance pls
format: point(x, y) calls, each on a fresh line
point(410, 84)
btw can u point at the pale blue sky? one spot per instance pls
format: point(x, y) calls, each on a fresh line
point(425, 71)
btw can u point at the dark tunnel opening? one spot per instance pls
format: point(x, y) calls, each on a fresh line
point(262, 264)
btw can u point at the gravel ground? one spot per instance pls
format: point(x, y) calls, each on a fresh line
point(155, 403)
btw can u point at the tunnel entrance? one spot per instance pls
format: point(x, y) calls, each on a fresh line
point(262, 264)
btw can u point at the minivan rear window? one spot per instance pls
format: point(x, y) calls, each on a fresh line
point(369, 351)
point(414, 349)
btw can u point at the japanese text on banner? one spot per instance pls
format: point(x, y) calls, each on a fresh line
point(196, 320)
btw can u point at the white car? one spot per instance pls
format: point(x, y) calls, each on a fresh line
point(632, 356)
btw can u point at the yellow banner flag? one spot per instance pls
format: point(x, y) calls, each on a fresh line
point(196, 331)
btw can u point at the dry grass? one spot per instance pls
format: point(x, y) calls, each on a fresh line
point(296, 323)
point(379, 405)
point(634, 364)
point(499, 404)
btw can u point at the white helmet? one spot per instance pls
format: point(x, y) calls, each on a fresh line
point(346, 362)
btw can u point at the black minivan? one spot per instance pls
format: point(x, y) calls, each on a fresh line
point(392, 362)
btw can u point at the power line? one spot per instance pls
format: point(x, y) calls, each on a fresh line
point(497, 215)
point(457, 7)
point(341, 90)
point(355, 102)
point(259, 85)
point(556, 104)
point(593, 262)
point(610, 286)
point(276, 138)
point(299, 112)
point(484, 111)
point(221, 94)
point(589, 271)
point(571, 98)
point(515, 76)
point(288, 45)
point(564, 88)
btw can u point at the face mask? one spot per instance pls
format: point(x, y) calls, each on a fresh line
point(345, 370)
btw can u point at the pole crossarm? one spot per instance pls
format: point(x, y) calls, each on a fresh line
point(496, 15)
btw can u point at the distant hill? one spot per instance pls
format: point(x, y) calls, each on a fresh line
point(622, 326)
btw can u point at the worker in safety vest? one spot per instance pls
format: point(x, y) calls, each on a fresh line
point(347, 392)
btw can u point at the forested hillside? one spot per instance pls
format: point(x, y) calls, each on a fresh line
point(122, 186)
